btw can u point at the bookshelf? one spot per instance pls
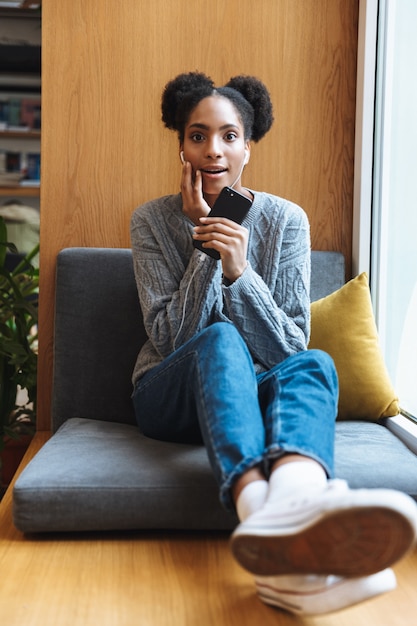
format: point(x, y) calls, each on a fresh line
point(20, 101)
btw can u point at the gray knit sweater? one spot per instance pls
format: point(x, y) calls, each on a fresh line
point(181, 289)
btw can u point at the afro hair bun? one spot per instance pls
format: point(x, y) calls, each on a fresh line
point(255, 92)
point(180, 92)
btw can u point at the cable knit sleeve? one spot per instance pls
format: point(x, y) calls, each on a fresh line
point(270, 302)
point(176, 285)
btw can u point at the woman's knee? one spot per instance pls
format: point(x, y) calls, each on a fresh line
point(221, 329)
point(321, 360)
point(223, 346)
point(223, 334)
point(315, 363)
point(321, 366)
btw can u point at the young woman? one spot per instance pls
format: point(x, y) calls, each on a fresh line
point(226, 364)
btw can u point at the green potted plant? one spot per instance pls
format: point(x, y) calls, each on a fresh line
point(19, 288)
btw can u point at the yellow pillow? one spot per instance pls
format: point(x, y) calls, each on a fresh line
point(343, 325)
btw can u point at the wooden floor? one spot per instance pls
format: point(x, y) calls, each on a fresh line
point(155, 579)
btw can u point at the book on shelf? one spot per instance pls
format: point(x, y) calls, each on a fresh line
point(30, 113)
point(33, 166)
point(29, 183)
point(15, 129)
point(10, 179)
point(20, 114)
point(13, 161)
point(16, 167)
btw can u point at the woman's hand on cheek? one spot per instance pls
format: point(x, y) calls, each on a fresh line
point(193, 203)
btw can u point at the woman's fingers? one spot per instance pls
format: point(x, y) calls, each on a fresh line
point(193, 203)
point(227, 237)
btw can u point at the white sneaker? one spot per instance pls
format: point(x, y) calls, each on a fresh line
point(316, 595)
point(340, 531)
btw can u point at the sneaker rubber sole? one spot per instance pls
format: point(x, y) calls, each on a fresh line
point(321, 595)
point(354, 541)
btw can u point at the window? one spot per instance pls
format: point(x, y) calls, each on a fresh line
point(385, 185)
point(393, 267)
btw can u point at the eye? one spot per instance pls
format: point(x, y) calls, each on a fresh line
point(230, 136)
point(197, 137)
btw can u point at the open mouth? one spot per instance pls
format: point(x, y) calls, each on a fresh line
point(214, 172)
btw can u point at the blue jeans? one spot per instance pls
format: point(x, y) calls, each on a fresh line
point(207, 392)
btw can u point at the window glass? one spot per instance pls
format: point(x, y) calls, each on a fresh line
point(394, 230)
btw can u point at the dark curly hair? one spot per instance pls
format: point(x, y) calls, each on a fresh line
point(249, 96)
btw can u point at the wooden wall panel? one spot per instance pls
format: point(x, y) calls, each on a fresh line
point(104, 149)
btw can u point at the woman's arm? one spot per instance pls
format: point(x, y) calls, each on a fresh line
point(270, 302)
point(175, 283)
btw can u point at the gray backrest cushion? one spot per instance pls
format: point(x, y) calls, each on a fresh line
point(327, 273)
point(99, 330)
point(98, 333)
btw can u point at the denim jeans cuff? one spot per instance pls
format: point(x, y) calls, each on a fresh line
point(275, 452)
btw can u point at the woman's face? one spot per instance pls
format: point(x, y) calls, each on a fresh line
point(214, 143)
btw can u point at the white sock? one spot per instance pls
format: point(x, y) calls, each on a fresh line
point(251, 498)
point(295, 476)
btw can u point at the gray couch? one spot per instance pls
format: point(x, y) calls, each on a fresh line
point(98, 472)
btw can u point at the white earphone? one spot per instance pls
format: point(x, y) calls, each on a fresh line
point(182, 157)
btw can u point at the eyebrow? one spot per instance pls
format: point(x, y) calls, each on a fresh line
point(205, 127)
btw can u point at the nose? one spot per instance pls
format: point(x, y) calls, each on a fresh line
point(214, 150)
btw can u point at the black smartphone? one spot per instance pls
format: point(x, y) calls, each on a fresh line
point(230, 204)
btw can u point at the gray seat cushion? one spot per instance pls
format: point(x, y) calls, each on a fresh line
point(100, 475)
point(369, 455)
